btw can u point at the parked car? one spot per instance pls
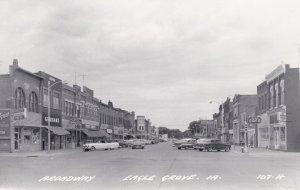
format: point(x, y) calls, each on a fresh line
point(138, 143)
point(100, 146)
point(212, 144)
point(129, 143)
point(121, 142)
point(189, 144)
point(177, 143)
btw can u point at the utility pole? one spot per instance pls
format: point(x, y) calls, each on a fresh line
point(83, 76)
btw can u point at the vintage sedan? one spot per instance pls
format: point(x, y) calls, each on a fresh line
point(177, 143)
point(189, 144)
point(138, 143)
point(100, 146)
point(211, 144)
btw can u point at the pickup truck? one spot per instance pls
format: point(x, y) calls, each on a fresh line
point(100, 146)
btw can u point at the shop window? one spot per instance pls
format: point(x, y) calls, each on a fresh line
point(33, 102)
point(36, 136)
point(282, 134)
point(19, 98)
point(264, 133)
point(27, 136)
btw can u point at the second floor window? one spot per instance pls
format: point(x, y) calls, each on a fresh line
point(56, 100)
point(19, 98)
point(33, 102)
point(45, 98)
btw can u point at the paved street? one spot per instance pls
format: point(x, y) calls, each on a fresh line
point(116, 169)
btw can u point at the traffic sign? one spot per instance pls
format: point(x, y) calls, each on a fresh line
point(254, 120)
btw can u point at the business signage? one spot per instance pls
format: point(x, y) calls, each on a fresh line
point(109, 131)
point(55, 119)
point(20, 113)
point(75, 121)
point(254, 120)
point(5, 123)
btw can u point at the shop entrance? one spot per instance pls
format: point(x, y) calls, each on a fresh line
point(276, 139)
point(17, 138)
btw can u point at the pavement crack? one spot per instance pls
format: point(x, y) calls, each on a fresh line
point(168, 170)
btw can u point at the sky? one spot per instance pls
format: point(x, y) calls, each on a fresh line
point(163, 59)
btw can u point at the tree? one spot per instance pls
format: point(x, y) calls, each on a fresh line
point(194, 127)
point(163, 130)
point(187, 134)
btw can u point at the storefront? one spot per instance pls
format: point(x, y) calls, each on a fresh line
point(263, 131)
point(277, 129)
point(28, 133)
point(58, 135)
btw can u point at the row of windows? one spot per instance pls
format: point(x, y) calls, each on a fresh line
point(55, 104)
point(263, 102)
point(20, 100)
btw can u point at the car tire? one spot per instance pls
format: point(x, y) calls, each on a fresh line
point(93, 148)
point(209, 149)
point(133, 147)
point(200, 150)
point(227, 149)
point(143, 147)
point(179, 148)
point(219, 150)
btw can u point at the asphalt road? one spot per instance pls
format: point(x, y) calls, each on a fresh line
point(159, 166)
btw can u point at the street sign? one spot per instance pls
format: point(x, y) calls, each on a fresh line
point(254, 120)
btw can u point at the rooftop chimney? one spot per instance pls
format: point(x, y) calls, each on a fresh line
point(15, 63)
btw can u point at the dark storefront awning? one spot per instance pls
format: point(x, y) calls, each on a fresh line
point(58, 131)
point(91, 133)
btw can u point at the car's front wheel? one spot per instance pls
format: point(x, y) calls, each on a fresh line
point(93, 148)
point(227, 149)
point(179, 148)
point(200, 149)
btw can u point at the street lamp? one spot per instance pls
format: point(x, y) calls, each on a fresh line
point(49, 87)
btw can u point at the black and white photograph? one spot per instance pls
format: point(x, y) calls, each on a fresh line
point(149, 95)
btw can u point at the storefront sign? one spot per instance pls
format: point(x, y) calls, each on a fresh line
point(75, 121)
point(109, 131)
point(5, 123)
point(254, 120)
point(55, 120)
point(20, 114)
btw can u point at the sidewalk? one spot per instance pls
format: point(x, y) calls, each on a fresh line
point(41, 153)
point(262, 151)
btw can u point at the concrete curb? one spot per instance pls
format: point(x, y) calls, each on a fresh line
point(40, 153)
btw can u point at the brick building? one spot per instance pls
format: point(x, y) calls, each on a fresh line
point(279, 107)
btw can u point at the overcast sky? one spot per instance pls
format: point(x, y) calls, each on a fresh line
point(164, 59)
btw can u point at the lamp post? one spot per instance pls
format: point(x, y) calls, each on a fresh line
point(49, 87)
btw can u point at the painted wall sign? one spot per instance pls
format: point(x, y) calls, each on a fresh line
point(5, 123)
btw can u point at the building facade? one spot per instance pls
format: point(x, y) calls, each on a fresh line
point(244, 106)
point(283, 108)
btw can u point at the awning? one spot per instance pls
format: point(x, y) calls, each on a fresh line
point(91, 133)
point(58, 130)
point(32, 120)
